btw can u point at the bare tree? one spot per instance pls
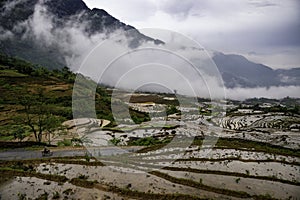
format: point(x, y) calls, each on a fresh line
point(37, 115)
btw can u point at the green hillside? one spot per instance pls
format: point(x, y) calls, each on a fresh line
point(34, 98)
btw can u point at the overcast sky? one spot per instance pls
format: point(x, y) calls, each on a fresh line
point(265, 31)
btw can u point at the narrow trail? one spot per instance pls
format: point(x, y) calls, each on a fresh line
point(24, 154)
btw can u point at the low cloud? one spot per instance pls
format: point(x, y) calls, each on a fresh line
point(272, 92)
point(5, 34)
point(282, 58)
point(71, 39)
point(8, 6)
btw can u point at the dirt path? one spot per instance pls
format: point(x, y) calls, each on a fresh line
point(23, 154)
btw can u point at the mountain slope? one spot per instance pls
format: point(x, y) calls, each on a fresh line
point(44, 33)
point(237, 71)
point(289, 76)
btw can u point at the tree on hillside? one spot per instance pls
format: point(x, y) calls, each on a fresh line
point(37, 115)
point(19, 133)
point(52, 125)
point(68, 75)
point(41, 71)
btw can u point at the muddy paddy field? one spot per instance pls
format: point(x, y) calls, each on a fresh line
point(261, 171)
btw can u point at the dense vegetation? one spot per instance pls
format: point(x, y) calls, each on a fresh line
point(292, 109)
point(286, 105)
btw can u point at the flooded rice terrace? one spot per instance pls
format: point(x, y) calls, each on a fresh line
point(248, 156)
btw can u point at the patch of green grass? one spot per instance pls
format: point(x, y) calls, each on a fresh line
point(171, 109)
point(56, 195)
point(147, 141)
point(43, 196)
point(11, 132)
point(11, 169)
point(139, 117)
point(115, 141)
point(265, 197)
point(236, 174)
point(22, 196)
point(18, 166)
point(64, 143)
point(6, 137)
point(229, 143)
point(68, 191)
point(187, 182)
point(87, 157)
point(141, 127)
point(82, 176)
point(7, 171)
point(150, 148)
point(235, 143)
point(249, 145)
point(11, 73)
point(83, 182)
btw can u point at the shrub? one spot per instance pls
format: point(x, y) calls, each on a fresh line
point(22, 196)
point(56, 195)
point(65, 142)
point(115, 141)
point(83, 177)
point(172, 110)
point(87, 157)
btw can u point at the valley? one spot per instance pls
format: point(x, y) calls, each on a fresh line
point(92, 108)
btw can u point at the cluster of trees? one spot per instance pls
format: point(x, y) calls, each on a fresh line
point(28, 68)
point(171, 109)
point(287, 110)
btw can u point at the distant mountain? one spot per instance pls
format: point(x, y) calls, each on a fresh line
point(289, 76)
point(237, 71)
point(17, 24)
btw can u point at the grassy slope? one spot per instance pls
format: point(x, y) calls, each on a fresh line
point(19, 78)
point(15, 85)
